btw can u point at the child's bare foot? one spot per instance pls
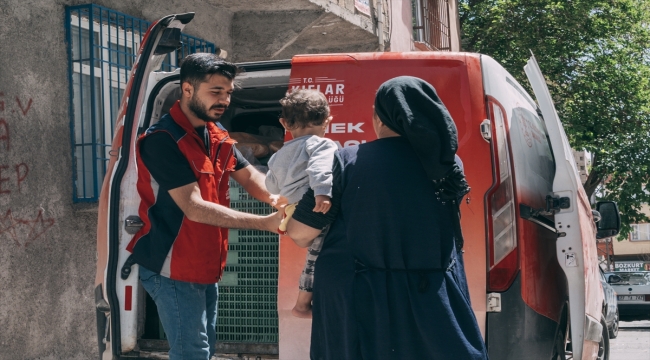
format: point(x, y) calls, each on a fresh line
point(301, 312)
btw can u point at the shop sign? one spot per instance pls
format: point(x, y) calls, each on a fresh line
point(631, 266)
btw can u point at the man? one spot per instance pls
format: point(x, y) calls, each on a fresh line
point(184, 163)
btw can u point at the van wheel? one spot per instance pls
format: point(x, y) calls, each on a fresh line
point(603, 345)
point(559, 349)
point(562, 344)
point(562, 349)
point(613, 333)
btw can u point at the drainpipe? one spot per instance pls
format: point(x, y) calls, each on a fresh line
point(380, 24)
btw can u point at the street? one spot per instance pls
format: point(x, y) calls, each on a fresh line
point(633, 341)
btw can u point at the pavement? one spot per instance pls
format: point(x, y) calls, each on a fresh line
point(633, 341)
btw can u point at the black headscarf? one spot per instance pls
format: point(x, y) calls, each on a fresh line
point(411, 107)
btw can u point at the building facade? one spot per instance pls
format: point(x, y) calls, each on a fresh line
point(64, 68)
point(633, 253)
point(583, 162)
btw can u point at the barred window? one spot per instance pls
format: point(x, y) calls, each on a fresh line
point(102, 47)
point(431, 24)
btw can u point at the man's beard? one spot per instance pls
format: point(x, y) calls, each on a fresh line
point(198, 108)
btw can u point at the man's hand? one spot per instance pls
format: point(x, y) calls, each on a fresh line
point(189, 200)
point(323, 204)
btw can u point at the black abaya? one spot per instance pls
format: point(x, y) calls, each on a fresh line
point(389, 283)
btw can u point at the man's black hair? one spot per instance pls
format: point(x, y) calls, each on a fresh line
point(196, 68)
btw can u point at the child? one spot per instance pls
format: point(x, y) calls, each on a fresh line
point(302, 163)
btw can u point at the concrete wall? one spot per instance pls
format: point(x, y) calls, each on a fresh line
point(264, 35)
point(47, 243)
point(401, 29)
point(345, 9)
point(454, 25)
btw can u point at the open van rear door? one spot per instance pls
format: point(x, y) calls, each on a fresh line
point(576, 243)
point(117, 295)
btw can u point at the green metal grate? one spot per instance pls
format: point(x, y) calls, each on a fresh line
point(248, 290)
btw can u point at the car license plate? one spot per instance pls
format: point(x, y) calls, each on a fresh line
point(631, 297)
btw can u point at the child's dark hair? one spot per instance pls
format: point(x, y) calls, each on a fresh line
point(304, 107)
point(196, 68)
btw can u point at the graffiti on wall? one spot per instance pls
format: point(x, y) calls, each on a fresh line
point(22, 230)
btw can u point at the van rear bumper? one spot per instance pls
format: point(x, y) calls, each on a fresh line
point(518, 332)
point(634, 309)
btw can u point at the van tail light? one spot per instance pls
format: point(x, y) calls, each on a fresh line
point(503, 261)
point(128, 298)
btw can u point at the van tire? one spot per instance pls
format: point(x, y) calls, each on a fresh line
point(561, 337)
point(613, 332)
point(101, 328)
point(603, 345)
point(562, 344)
point(559, 349)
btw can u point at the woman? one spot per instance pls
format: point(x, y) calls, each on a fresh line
point(389, 282)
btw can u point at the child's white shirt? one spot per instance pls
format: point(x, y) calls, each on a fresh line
point(302, 163)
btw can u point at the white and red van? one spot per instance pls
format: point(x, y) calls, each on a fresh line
point(530, 249)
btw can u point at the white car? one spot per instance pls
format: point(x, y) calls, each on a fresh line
point(633, 289)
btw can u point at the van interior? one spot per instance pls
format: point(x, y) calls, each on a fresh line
point(244, 298)
point(251, 118)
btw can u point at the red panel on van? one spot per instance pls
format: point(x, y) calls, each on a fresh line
point(350, 82)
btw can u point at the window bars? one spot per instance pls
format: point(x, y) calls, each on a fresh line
point(102, 46)
point(431, 24)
